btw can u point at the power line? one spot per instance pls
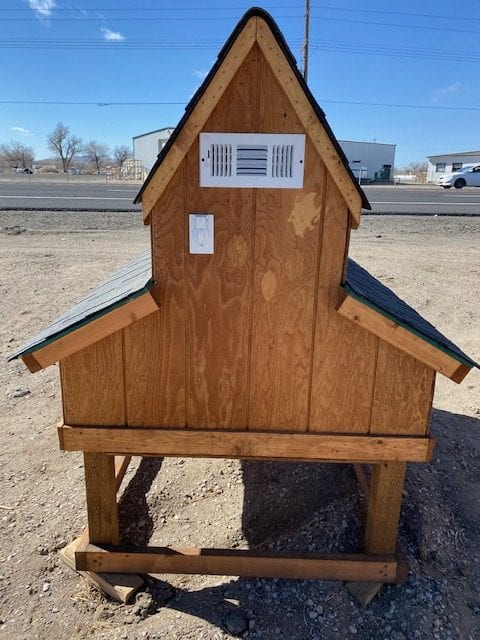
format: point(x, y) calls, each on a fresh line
point(391, 24)
point(150, 104)
point(396, 13)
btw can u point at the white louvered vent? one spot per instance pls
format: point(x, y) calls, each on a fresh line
point(252, 160)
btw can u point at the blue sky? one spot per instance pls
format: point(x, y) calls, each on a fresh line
point(103, 51)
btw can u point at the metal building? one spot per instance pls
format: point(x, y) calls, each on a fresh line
point(370, 161)
point(448, 162)
point(147, 146)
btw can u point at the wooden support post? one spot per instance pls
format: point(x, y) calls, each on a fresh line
point(101, 488)
point(384, 504)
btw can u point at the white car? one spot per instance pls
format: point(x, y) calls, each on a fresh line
point(468, 176)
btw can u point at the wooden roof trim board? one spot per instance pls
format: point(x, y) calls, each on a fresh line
point(372, 320)
point(255, 26)
point(127, 296)
point(378, 309)
point(81, 337)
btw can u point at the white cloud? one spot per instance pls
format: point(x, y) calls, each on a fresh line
point(112, 36)
point(451, 88)
point(42, 8)
point(201, 74)
point(22, 130)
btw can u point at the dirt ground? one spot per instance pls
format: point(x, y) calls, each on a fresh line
point(47, 261)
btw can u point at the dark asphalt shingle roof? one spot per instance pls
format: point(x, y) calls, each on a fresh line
point(362, 285)
point(255, 11)
point(135, 279)
point(130, 282)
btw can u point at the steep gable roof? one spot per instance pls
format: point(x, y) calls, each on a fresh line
point(256, 26)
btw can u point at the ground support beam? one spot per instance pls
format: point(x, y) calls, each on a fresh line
point(234, 562)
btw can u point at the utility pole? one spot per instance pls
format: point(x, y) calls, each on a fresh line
point(305, 42)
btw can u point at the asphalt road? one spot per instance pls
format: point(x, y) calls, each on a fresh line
point(47, 196)
point(424, 200)
point(114, 196)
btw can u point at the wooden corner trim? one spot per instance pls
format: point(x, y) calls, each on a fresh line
point(244, 444)
point(95, 330)
point(399, 337)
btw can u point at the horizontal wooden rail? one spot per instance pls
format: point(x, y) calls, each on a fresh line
point(235, 562)
point(244, 444)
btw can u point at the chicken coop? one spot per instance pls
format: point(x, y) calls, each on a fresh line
point(246, 331)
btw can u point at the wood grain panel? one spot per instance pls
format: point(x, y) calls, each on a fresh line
point(92, 384)
point(403, 393)
point(343, 354)
point(155, 346)
point(219, 285)
point(286, 242)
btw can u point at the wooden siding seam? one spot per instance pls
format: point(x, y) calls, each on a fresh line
point(186, 250)
point(374, 385)
point(432, 395)
point(315, 302)
point(250, 328)
point(124, 371)
point(252, 248)
point(62, 386)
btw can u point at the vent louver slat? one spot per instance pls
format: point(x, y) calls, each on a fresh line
point(221, 160)
point(252, 160)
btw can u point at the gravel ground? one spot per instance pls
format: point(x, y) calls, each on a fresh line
point(47, 262)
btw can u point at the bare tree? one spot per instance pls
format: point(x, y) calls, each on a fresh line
point(121, 154)
point(97, 153)
point(417, 168)
point(16, 154)
point(64, 144)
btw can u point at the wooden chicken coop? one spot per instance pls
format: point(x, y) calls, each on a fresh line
point(246, 331)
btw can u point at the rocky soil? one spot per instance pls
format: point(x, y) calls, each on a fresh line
point(47, 261)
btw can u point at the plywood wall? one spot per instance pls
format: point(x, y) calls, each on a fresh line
point(249, 337)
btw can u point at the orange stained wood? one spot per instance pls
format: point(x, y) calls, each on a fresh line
point(403, 393)
point(155, 347)
point(218, 286)
point(93, 384)
point(286, 245)
point(343, 355)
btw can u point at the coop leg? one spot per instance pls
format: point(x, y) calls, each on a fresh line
point(102, 508)
point(384, 503)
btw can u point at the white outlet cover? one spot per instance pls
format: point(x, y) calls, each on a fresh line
point(201, 232)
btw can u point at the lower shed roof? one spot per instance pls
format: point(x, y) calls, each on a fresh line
point(135, 279)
